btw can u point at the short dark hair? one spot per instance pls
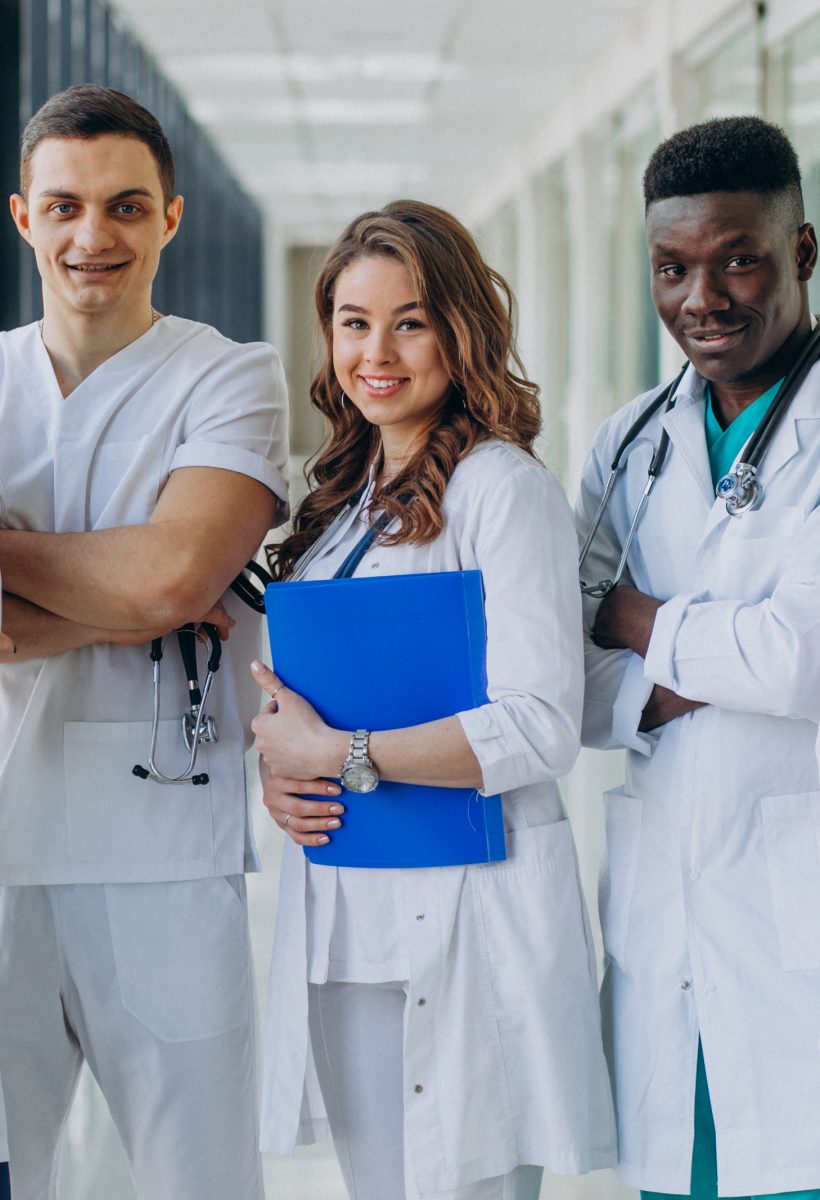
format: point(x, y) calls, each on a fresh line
point(88, 110)
point(728, 154)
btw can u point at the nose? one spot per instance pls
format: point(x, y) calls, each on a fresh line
point(380, 348)
point(705, 294)
point(93, 233)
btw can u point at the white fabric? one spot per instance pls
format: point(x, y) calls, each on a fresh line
point(711, 902)
point(357, 1032)
point(85, 976)
point(75, 724)
point(506, 1044)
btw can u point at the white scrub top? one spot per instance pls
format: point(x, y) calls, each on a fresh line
point(74, 725)
point(711, 901)
point(502, 1058)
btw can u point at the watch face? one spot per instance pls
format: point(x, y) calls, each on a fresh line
point(358, 777)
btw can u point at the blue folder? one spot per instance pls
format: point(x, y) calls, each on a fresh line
point(384, 653)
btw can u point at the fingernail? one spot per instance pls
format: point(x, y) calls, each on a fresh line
point(322, 840)
point(336, 808)
point(334, 824)
point(334, 789)
point(256, 665)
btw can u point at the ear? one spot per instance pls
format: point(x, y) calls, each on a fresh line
point(806, 252)
point(19, 214)
point(173, 216)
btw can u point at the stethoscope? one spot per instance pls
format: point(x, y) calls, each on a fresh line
point(741, 489)
point(197, 726)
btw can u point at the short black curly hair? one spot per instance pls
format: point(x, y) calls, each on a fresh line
point(728, 154)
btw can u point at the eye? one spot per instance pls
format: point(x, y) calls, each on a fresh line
point(672, 270)
point(354, 323)
point(63, 209)
point(128, 209)
point(741, 260)
point(408, 324)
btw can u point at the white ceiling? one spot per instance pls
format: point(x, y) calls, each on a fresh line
point(324, 107)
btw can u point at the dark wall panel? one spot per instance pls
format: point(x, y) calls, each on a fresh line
point(212, 271)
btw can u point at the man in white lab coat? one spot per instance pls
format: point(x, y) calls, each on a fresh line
point(140, 466)
point(705, 663)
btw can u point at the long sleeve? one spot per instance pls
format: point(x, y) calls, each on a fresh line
point(616, 690)
point(524, 544)
point(763, 657)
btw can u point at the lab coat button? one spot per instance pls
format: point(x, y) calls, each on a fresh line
point(421, 1002)
point(685, 984)
point(694, 876)
point(419, 916)
point(418, 1088)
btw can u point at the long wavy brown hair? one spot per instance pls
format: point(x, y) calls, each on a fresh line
point(471, 311)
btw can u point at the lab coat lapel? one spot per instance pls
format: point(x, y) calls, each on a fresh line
point(796, 431)
point(684, 424)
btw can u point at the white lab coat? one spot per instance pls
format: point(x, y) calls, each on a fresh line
point(711, 901)
point(506, 1047)
point(73, 726)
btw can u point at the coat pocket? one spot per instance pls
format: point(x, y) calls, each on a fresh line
point(791, 827)
point(619, 869)
point(116, 820)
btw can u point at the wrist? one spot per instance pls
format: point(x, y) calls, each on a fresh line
point(334, 751)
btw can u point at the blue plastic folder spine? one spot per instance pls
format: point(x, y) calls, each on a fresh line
point(386, 653)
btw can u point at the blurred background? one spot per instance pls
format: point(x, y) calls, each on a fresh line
point(532, 121)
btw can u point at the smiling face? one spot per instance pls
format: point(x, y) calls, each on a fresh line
point(728, 281)
point(95, 217)
point(385, 354)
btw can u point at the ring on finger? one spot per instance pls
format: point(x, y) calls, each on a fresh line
point(276, 690)
point(287, 818)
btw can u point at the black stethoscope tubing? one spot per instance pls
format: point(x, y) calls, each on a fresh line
point(740, 488)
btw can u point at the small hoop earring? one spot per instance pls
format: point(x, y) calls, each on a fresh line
point(344, 400)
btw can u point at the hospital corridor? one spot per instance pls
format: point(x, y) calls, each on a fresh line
point(531, 122)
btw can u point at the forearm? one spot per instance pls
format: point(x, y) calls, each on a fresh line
point(663, 706)
point(436, 754)
point(36, 633)
point(124, 578)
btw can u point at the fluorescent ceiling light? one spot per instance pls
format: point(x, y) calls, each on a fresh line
point(311, 68)
point(348, 178)
point(333, 111)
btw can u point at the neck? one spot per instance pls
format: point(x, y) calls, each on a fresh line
point(80, 344)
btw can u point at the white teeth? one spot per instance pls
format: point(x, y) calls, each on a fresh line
point(381, 383)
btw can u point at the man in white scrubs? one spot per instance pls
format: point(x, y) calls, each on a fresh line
point(705, 664)
point(140, 467)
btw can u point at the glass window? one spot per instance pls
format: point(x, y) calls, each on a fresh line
point(800, 75)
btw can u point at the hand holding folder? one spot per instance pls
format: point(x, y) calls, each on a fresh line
point(387, 653)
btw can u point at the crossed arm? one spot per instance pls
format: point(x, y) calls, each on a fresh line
point(131, 583)
point(624, 621)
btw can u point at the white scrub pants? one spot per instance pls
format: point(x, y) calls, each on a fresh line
point(357, 1035)
point(150, 984)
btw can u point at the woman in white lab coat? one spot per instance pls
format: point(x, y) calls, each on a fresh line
point(450, 1014)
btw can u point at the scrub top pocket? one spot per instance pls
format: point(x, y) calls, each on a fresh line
point(114, 818)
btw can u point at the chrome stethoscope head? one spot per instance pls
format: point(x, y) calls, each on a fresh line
point(741, 489)
point(197, 726)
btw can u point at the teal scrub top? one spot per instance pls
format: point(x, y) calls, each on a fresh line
point(724, 445)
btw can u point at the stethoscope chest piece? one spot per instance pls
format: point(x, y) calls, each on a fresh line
point(741, 489)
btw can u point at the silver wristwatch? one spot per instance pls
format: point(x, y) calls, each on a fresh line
point(358, 774)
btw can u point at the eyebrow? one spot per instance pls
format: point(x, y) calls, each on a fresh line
point(402, 307)
point(672, 251)
point(60, 194)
